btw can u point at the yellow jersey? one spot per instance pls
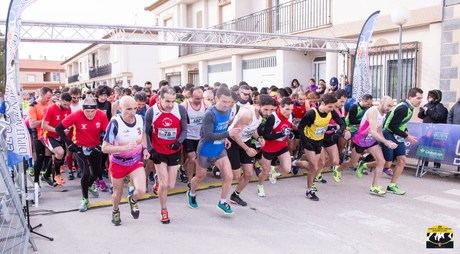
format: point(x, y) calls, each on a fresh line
point(318, 128)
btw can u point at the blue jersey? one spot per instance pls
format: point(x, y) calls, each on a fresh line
point(213, 147)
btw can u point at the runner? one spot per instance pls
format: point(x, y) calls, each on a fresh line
point(395, 129)
point(298, 112)
point(244, 93)
point(314, 125)
point(166, 130)
point(242, 151)
point(276, 133)
point(211, 148)
point(356, 112)
point(124, 141)
point(196, 109)
point(89, 124)
point(53, 116)
point(36, 113)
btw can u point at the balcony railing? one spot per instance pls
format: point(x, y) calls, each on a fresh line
point(100, 71)
point(290, 17)
point(72, 79)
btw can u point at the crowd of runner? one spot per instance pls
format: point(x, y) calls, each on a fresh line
point(118, 138)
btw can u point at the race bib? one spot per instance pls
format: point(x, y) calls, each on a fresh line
point(320, 131)
point(167, 133)
point(218, 142)
point(196, 121)
point(398, 138)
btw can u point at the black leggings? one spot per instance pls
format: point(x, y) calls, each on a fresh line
point(90, 166)
point(41, 161)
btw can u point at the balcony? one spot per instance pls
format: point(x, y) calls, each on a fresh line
point(72, 79)
point(100, 71)
point(290, 17)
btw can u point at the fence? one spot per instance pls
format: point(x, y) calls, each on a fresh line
point(14, 231)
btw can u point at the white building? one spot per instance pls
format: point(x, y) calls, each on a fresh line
point(325, 18)
point(111, 65)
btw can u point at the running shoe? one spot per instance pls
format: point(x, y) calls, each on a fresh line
point(360, 169)
point(191, 200)
point(79, 173)
point(48, 180)
point(101, 185)
point(156, 185)
point(273, 175)
point(116, 218)
point(388, 172)
point(133, 207)
point(71, 175)
point(151, 177)
point(319, 178)
point(164, 216)
point(257, 170)
point(260, 191)
point(377, 190)
point(183, 175)
point(83, 205)
point(394, 188)
point(59, 180)
point(337, 174)
point(314, 188)
point(130, 190)
point(312, 195)
point(216, 172)
point(93, 190)
point(30, 171)
point(225, 207)
point(235, 199)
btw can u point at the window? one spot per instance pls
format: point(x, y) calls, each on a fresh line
point(30, 78)
point(220, 67)
point(259, 63)
point(56, 77)
point(376, 77)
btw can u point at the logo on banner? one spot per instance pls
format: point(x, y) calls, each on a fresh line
point(439, 237)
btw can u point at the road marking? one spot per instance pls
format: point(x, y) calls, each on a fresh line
point(439, 201)
point(369, 220)
point(453, 192)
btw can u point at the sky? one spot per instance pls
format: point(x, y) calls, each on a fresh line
point(125, 12)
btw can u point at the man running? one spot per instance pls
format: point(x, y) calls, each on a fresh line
point(395, 129)
point(196, 109)
point(242, 151)
point(166, 130)
point(53, 116)
point(124, 141)
point(367, 137)
point(276, 133)
point(356, 112)
point(314, 126)
point(89, 124)
point(211, 148)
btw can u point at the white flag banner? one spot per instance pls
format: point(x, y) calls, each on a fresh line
point(17, 135)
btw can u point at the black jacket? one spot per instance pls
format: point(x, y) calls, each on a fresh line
point(454, 114)
point(434, 111)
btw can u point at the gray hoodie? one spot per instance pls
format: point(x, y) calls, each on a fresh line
point(454, 114)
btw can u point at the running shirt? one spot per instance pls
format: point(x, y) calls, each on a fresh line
point(363, 137)
point(396, 121)
point(86, 132)
point(213, 133)
point(166, 129)
point(248, 131)
point(54, 115)
point(333, 126)
point(121, 133)
point(37, 112)
point(354, 117)
point(298, 112)
point(195, 118)
point(280, 124)
point(142, 111)
point(318, 128)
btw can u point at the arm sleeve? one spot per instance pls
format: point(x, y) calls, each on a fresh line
point(267, 133)
point(183, 124)
point(60, 131)
point(111, 132)
point(338, 120)
point(352, 115)
point(148, 128)
point(399, 114)
point(207, 129)
point(421, 114)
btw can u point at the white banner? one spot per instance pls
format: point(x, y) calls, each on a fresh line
point(17, 135)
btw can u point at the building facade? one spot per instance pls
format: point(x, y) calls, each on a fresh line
point(121, 65)
point(422, 36)
point(35, 74)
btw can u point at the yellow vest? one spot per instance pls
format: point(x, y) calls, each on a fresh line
point(318, 128)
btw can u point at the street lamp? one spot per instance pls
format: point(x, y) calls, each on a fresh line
point(400, 16)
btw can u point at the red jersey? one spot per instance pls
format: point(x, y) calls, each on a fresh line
point(54, 115)
point(298, 112)
point(153, 100)
point(166, 129)
point(281, 123)
point(86, 132)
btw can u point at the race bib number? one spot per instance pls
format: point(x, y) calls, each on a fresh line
point(398, 138)
point(196, 121)
point(218, 142)
point(167, 133)
point(320, 131)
